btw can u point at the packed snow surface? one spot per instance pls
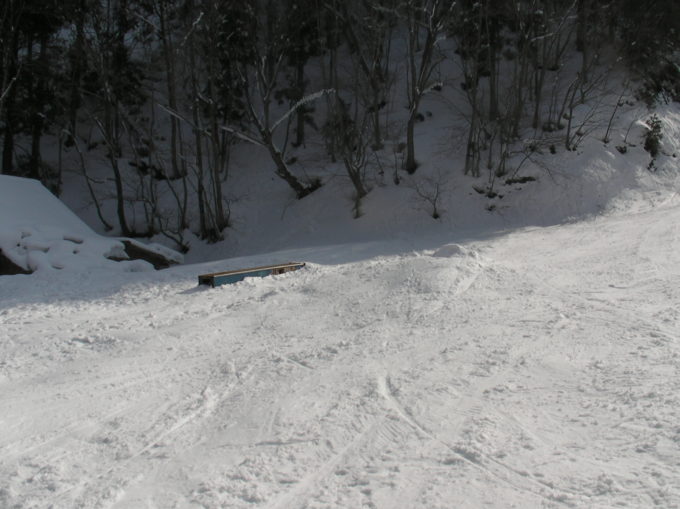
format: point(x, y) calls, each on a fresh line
point(533, 368)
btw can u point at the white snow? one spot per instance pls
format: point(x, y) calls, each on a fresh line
point(538, 367)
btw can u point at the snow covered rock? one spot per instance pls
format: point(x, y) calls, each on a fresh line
point(38, 232)
point(453, 251)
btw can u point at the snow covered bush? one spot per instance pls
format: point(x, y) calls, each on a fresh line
point(653, 138)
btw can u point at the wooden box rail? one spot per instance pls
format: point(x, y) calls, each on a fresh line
point(234, 276)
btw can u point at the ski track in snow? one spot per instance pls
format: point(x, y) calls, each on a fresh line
point(537, 369)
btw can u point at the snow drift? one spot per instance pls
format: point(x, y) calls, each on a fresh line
point(38, 232)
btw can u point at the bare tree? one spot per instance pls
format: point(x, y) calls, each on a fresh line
point(353, 122)
point(211, 144)
point(368, 28)
point(77, 61)
point(259, 71)
point(164, 12)
point(109, 55)
point(425, 20)
point(9, 38)
point(430, 190)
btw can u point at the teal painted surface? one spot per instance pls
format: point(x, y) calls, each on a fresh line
point(228, 279)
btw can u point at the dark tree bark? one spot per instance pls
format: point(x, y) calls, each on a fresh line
point(428, 16)
point(38, 116)
point(10, 96)
point(77, 58)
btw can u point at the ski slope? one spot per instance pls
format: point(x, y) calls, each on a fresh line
point(532, 368)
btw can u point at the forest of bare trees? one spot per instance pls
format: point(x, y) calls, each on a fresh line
point(167, 88)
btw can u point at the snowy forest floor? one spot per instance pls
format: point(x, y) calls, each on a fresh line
point(534, 368)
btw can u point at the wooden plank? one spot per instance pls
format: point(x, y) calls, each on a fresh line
point(234, 276)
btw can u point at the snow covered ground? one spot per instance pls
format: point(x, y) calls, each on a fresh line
point(538, 367)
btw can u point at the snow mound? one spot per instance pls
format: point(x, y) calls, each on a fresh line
point(45, 248)
point(38, 232)
point(453, 251)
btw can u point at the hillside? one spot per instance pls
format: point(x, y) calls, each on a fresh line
point(518, 351)
point(227, 129)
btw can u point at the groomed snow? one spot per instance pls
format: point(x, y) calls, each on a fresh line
point(534, 368)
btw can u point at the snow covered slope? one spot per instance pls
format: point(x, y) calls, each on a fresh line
point(538, 368)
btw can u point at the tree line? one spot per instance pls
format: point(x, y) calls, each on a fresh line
point(168, 87)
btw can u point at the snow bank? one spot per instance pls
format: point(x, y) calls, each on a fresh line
point(453, 251)
point(38, 232)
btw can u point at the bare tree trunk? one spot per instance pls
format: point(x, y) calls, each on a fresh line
point(300, 115)
point(540, 63)
point(177, 161)
point(410, 164)
point(493, 85)
point(330, 81)
point(77, 63)
point(110, 133)
point(372, 59)
point(12, 55)
point(375, 112)
point(492, 49)
point(538, 92)
point(38, 121)
point(572, 103)
point(281, 167)
point(472, 147)
point(581, 25)
point(433, 17)
point(200, 189)
point(217, 157)
point(266, 80)
point(582, 36)
point(88, 182)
